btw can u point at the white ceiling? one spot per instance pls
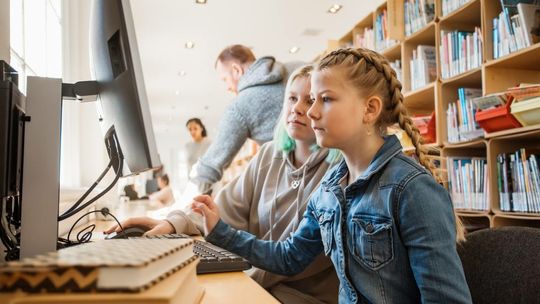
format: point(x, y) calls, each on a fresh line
point(270, 27)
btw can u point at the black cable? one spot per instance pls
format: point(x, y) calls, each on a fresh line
point(87, 236)
point(81, 199)
point(88, 203)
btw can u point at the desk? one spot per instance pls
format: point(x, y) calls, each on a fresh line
point(222, 288)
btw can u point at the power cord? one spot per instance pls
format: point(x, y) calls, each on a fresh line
point(85, 235)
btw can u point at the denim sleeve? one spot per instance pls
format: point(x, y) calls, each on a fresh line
point(428, 230)
point(288, 257)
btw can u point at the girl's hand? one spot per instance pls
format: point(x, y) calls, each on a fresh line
point(152, 226)
point(204, 205)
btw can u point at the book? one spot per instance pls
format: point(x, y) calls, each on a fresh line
point(129, 265)
point(490, 101)
point(529, 16)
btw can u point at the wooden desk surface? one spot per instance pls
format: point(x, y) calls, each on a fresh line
point(222, 288)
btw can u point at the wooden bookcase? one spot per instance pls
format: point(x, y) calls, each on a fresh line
point(494, 75)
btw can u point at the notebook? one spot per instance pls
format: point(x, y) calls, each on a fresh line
point(130, 265)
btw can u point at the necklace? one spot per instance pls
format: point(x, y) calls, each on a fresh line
point(295, 183)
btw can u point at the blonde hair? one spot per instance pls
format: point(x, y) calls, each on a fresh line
point(372, 74)
point(282, 140)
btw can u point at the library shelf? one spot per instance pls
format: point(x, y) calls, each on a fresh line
point(524, 59)
point(422, 100)
point(466, 78)
point(463, 15)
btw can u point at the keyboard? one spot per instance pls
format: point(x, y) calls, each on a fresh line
point(212, 258)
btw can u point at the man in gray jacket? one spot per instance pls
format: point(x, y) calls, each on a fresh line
point(259, 85)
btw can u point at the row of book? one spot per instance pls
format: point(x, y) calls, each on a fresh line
point(382, 39)
point(460, 51)
point(460, 116)
point(516, 27)
point(449, 6)
point(396, 65)
point(365, 39)
point(519, 181)
point(418, 13)
point(423, 66)
point(468, 182)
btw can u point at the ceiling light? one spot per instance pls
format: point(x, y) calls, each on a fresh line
point(200, 1)
point(177, 92)
point(189, 44)
point(294, 49)
point(334, 8)
point(182, 73)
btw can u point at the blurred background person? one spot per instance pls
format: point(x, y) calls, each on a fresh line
point(199, 143)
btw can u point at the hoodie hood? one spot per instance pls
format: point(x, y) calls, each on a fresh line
point(265, 70)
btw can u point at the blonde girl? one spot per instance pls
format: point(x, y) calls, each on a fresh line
point(381, 217)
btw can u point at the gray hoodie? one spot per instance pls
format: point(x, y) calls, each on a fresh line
point(269, 200)
point(252, 114)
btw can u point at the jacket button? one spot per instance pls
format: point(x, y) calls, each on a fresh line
point(369, 228)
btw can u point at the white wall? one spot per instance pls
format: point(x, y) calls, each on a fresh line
point(4, 30)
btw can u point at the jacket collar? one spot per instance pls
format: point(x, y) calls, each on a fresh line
point(389, 149)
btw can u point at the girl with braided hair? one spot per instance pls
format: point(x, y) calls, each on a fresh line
point(382, 218)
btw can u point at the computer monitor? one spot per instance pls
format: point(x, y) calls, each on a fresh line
point(116, 65)
point(124, 115)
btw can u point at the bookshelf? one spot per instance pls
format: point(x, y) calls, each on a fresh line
point(491, 76)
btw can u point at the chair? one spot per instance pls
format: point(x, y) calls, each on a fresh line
point(502, 265)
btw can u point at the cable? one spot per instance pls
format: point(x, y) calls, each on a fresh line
point(81, 199)
point(87, 235)
point(80, 208)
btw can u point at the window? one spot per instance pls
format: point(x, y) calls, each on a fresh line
point(36, 38)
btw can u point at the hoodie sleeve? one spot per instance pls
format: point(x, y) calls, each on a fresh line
point(233, 132)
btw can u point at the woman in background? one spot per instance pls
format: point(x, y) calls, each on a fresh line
point(199, 144)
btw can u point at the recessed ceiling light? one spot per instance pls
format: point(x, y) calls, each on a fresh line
point(294, 50)
point(182, 73)
point(177, 92)
point(335, 8)
point(200, 1)
point(189, 44)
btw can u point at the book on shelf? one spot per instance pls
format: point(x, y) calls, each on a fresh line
point(518, 180)
point(423, 66)
point(396, 65)
point(364, 39)
point(460, 117)
point(460, 51)
point(382, 39)
point(468, 182)
point(490, 101)
point(129, 265)
point(426, 127)
point(516, 27)
point(448, 6)
point(417, 14)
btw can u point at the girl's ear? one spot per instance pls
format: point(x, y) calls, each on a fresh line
point(372, 110)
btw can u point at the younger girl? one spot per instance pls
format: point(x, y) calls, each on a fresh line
point(387, 225)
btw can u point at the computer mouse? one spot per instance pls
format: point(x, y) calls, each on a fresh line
point(128, 232)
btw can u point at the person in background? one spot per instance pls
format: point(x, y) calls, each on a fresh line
point(388, 226)
point(164, 196)
point(199, 143)
point(258, 86)
point(269, 197)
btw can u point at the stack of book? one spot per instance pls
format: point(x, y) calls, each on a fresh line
point(519, 181)
point(449, 6)
point(516, 27)
point(460, 52)
point(423, 66)
point(460, 117)
point(418, 13)
point(468, 182)
point(396, 65)
point(382, 40)
point(365, 39)
point(121, 265)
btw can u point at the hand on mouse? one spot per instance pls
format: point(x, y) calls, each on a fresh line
point(152, 226)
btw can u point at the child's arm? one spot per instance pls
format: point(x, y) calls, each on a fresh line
point(427, 228)
point(288, 258)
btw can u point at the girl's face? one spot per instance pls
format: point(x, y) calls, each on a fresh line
point(337, 113)
point(296, 107)
point(195, 130)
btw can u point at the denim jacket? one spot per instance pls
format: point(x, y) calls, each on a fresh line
point(390, 235)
